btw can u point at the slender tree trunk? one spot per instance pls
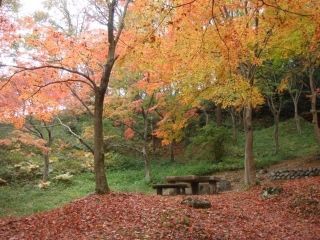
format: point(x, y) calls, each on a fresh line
point(314, 105)
point(152, 137)
point(172, 151)
point(45, 176)
point(99, 165)
point(249, 165)
point(206, 116)
point(46, 163)
point(276, 131)
point(296, 116)
point(234, 125)
point(275, 110)
point(219, 115)
point(147, 167)
point(241, 117)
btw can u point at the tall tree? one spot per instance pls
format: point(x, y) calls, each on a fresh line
point(85, 63)
point(295, 85)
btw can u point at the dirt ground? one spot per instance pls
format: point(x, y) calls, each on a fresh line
point(237, 177)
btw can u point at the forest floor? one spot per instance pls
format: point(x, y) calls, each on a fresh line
point(293, 214)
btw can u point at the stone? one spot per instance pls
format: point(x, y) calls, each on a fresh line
point(224, 185)
point(196, 203)
point(204, 188)
point(271, 191)
point(263, 171)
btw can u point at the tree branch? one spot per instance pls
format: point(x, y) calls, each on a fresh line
point(22, 69)
point(80, 100)
point(121, 21)
point(76, 135)
point(284, 10)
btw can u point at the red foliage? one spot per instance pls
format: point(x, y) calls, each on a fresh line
point(237, 215)
point(128, 133)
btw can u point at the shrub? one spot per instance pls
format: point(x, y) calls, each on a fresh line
point(117, 161)
point(43, 185)
point(209, 143)
point(63, 177)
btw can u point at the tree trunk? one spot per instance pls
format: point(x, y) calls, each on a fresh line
point(314, 105)
point(152, 138)
point(249, 166)
point(147, 167)
point(219, 115)
point(45, 176)
point(276, 131)
point(99, 165)
point(296, 116)
point(46, 164)
point(234, 126)
point(275, 110)
point(206, 116)
point(172, 151)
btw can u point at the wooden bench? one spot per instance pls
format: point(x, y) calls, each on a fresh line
point(180, 187)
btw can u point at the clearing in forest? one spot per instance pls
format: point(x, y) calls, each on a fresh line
point(293, 214)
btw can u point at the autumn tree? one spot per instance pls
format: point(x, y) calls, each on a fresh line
point(84, 62)
point(41, 131)
point(295, 84)
point(271, 74)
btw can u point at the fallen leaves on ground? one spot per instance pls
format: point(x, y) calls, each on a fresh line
point(293, 214)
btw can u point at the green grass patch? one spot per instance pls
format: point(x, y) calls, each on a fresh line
point(127, 174)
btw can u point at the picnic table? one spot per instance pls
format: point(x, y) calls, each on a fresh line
point(195, 181)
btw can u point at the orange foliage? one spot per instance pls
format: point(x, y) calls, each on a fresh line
point(128, 133)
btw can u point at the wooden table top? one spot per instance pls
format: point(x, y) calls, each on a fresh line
point(191, 178)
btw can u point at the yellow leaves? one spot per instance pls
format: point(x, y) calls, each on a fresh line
point(88, 133)
point(283, 86)
point(148, 86)
point(170, 128)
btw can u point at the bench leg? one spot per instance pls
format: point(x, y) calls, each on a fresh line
point(213, 184)
point(178, 190)
point(195, 188)
point(159, 191)
point(183, 191)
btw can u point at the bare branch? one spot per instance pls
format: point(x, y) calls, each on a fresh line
point(76, 135)
point(284, 10)
point(121, 21)
point(183, 4)
point(62, 81)
point(92, 85)
point(80, 100)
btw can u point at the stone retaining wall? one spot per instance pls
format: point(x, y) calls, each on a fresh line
point(294, 174)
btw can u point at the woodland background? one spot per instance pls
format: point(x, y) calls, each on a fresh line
point(119, 94)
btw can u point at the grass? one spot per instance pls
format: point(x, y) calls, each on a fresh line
point(26, 199)
point(17, 200)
